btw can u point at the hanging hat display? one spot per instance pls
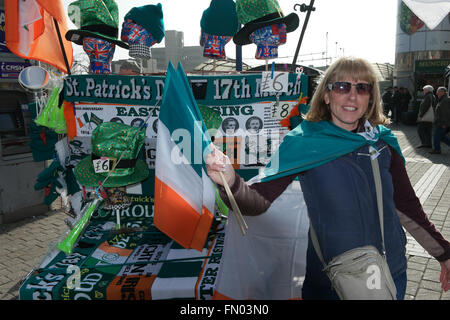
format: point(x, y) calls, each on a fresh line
point(95, 18)
point(219, 24)
point(100, 53)
point(268, 39)
point(256, 14)
point(214, 46)
point(143, 27)
point(110, 142)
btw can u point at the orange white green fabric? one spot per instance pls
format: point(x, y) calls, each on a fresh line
point(30, 31)
point(184, 194)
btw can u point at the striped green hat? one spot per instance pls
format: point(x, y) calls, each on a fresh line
point(255, 14)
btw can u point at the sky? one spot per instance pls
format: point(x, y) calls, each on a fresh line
point(360, 28)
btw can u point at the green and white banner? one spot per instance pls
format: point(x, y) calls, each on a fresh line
point(208, 90)
point(250, 131)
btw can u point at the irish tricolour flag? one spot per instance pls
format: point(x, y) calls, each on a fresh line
point(184, 194)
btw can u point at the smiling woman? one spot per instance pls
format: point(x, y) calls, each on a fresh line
point(352, 172)
point(348, 92)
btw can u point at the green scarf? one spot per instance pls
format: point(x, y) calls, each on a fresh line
point(312, 144)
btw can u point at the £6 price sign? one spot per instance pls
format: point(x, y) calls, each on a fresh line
point(274, 81)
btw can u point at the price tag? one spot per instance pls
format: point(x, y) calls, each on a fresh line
point(274, 81)
point(101, 165)
point(281, 110)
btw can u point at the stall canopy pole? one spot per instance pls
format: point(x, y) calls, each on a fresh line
point(239, 56)
point(62, 46)
point(308, 10)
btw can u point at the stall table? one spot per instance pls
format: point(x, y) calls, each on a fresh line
point(140, 265)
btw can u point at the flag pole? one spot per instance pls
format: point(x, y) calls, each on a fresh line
point(234, 206)
point(62, 46)
point(303, 7)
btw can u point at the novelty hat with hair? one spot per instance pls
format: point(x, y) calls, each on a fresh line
point(143, 27)
point(150, 17)
point(112, 141)
point(255, 14)
point(95, 18)
point(220, 18)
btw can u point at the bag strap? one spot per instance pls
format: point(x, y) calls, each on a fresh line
point(315, 243)
point(377, 178)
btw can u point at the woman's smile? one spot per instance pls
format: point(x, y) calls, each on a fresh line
point(347, 108)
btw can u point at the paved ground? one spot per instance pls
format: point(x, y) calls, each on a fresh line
point(23, 244)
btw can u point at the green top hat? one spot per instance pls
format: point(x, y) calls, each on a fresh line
point(113, 141)
point(95, 18)
point(220, 18)
point(255, 14)
point(150, 17)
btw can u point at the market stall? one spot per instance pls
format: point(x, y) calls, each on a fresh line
point(105, 164)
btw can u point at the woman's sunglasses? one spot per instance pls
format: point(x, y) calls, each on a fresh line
point(342, 87)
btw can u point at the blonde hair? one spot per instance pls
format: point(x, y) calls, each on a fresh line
point(358, 69)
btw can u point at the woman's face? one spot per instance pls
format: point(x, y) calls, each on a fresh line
point(347, 108)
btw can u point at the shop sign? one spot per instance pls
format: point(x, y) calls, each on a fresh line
point(11, 70)
point(432, 66)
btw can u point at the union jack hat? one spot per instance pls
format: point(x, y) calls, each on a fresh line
point(150, 17)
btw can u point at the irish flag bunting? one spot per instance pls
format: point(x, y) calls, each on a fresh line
point(432, 12)
point(184, 194)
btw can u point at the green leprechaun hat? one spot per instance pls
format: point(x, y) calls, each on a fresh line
point(114, 146)
point(255, 14)
point(95, 18)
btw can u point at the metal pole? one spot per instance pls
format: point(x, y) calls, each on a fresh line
point(62, 46)
point(309, 9)
point(239, 56)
